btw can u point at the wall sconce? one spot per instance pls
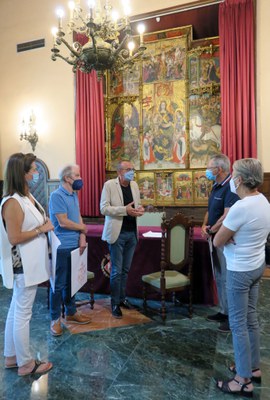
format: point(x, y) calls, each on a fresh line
point(29, 131)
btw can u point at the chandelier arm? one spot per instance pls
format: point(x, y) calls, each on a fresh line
point(122, 44)
point(136, 55)
point(64, 58)
point(71, 49)
point(93, 41)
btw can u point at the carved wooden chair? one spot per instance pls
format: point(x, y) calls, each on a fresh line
point(176, 262)
point(152, 216)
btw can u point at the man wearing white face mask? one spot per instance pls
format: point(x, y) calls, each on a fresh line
point(120, 203)
point(220, 201)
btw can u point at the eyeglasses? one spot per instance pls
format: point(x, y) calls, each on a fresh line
point(128, 169)
point(212, 168)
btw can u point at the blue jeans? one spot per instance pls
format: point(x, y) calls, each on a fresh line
point(220, 277)
point(242, 294)
point(121, 253)
point(62, 290)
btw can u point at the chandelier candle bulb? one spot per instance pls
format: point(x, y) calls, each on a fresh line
point(60, 14)
point(71, 6)
point(141, 30)
point(54, 33)
point(131, 47)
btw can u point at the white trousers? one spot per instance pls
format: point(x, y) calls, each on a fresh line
point(17, 330)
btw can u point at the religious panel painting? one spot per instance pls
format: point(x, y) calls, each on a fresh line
point(165, 60)
point(202, 187)
point(209, 70)
point(164, 126)
point(164, 188)
point(125, 83)
point(146, 183)
point(183, 187)
point(125, 143)
point(204, 128)
point(203, 63)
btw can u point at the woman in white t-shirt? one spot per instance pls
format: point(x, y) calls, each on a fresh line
point(243, 233)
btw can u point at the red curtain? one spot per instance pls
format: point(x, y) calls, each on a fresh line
point(90, 140)
point(237, 71)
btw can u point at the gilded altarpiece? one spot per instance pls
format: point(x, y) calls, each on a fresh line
point(163, 115)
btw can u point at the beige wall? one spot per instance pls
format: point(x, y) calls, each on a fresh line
point(31, 80)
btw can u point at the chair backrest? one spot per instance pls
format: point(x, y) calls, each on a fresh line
point(177, 242)
point(152, 217)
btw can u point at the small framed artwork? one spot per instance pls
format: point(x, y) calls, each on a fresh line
point(202, 187)
point(164, 188)
point(146, 183)
point(183, 187)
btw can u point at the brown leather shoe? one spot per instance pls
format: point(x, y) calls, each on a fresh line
point(78, 318)
point(56, 328)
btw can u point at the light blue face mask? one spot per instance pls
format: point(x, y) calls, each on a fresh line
point(129, 176)
point(34, 180)
point(209, 175)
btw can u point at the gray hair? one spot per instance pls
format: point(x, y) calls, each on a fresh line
point(66, 171)
point(119, 166)
point(250, 170)
point(222, 162)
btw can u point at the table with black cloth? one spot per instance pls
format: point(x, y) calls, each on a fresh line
point(147, 260)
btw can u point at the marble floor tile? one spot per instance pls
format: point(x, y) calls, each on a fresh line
point(136, 358)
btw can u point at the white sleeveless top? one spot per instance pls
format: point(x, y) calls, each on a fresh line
point(34, 253)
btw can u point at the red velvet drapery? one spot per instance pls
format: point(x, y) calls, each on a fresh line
point(90, 140)
point(237, 70)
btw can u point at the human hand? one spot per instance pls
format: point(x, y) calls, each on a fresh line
point(140, 210)
point(134, 212)
point(204, 231)
point(230, 241)
point(82, 244)
point(47, 227)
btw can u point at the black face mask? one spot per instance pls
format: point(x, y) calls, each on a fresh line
point(77, 184)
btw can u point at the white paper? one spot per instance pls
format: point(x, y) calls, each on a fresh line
point(151, 234)
point(78, 270)
point(55, 243)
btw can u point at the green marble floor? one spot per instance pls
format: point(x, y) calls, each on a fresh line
point(154, 361)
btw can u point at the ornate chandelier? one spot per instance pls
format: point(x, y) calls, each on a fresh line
point(98, 39)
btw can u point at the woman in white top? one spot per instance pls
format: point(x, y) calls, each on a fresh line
point(24, 259)
point(243, 233)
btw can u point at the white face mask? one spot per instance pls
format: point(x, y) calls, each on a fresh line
point(232, 186)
